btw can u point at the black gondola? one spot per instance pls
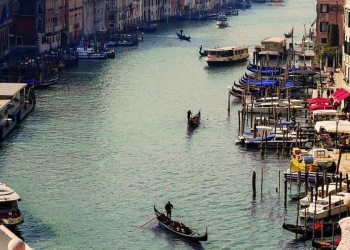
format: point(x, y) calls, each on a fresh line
point(308, 232)
point(289, 34)
point(325, 245)
point(204, 52)
point(173, 227)
point(183, 37)
point(195, 120)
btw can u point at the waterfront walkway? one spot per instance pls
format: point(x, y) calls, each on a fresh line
point(6, 236)
point(344, 165)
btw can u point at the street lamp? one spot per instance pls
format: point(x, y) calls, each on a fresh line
point(336, 131)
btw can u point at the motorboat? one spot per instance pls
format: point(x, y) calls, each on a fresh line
point(323, 192)
point(289, 174)
point(326, 207)
point(10, 214)
point(89, 53)
point(224, 56)
point(221, 24)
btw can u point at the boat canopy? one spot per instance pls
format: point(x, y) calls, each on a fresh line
point(331, 126)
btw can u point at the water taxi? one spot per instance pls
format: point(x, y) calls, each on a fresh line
point(10, 214)
point(228, 55)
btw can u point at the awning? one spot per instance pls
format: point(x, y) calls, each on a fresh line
point(318, 100)
point(341, 94)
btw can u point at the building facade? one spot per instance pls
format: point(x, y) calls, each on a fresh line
point(37, 24)
point(5, 23)
point(328, 12)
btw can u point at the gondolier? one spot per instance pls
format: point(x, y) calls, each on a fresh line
point(168, 208)
point(189, 113)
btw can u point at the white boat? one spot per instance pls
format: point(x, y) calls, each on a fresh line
point(333, 188)
point(269, 107)
point(89, 53)
point(10, 214)
point(322, 208)
point(275, 99)
point(228, 55)
point(306, 49)
point(272, 47)
point(221, 24)
point(222, 17)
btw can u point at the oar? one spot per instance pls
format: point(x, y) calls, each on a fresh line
point(148, 221)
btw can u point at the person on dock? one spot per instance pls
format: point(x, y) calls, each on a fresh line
point(181, 32)
point(328, 93)
point(189, 113)
point(168, 208)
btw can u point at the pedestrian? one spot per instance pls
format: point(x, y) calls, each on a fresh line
point(168, 208)
point(328, 93)
point(181, 32)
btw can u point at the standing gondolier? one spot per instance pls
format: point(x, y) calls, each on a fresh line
point(168, 208)
point(189, 113)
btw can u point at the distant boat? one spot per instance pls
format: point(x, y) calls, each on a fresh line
point(203, 52)
point(221, 24)
point(289, 34)
point(183, 37)
point(148, 27)
point(195, 120)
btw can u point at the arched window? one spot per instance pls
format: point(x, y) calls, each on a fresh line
point(39, 24)
point(15, 7)
point(40, 8)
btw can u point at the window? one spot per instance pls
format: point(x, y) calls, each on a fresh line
point(15, 7)
point(40, 8)
point(18, 40)
point(324, 8)
point(323, 26)
point(39, 24)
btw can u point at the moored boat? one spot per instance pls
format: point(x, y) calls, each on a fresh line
point(175, 228)
point(326, 207)
point(326, 245)
point(224, 56)
point(10, 214)
point(325, 229)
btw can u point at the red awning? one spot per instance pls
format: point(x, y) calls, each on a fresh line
point(318, 100)
point(341, 94)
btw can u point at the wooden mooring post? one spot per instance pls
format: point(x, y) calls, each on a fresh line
point(254, 184)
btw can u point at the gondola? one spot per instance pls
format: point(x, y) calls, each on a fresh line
point(195, 120)
point(308, 232)
point(204, 52)
point(183, 37)
point(325, 245)
point(289, 34)
point(185, 232)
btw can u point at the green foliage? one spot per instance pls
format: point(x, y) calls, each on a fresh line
point(333, 34)
point(324, 50)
